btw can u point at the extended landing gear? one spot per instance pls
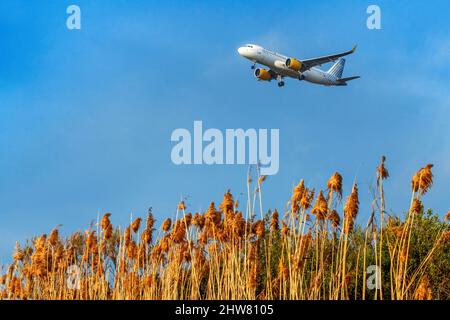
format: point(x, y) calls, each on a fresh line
point(281, 84)
point(253, 66)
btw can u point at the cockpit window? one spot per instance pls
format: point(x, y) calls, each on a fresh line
point(249, 46)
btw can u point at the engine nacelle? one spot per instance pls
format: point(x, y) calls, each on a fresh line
point(294, 64)
point(263, 74)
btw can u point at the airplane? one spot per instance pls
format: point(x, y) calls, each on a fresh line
point(281, 66)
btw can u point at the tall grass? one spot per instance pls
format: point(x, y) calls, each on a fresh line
point(311, 252)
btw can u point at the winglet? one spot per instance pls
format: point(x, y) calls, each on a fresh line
point(354, 48)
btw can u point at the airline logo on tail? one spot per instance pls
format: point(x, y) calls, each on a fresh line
point(337, 69)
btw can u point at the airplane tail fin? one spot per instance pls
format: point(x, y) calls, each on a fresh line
point(337, 69)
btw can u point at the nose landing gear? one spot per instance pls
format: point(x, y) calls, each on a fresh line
point(281, 84)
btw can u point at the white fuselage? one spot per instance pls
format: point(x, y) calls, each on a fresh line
point(277, 63)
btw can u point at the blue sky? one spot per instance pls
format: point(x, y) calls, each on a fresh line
point(86, 116)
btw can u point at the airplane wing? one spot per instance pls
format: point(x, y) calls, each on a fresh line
point(309, 63)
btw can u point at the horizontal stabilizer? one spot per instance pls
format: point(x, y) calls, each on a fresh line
point(348, 79)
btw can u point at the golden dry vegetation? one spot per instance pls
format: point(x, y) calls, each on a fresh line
point(314, 250)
